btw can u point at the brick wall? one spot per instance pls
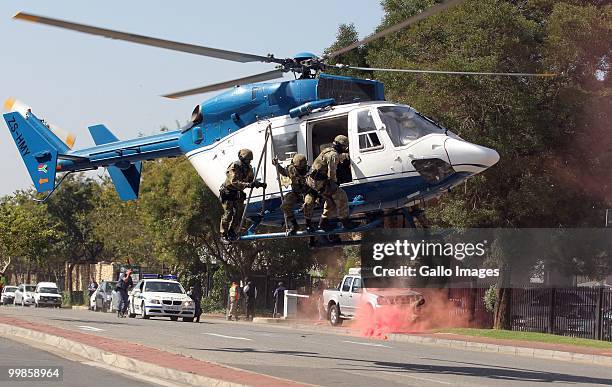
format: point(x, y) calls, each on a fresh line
point(82, 274)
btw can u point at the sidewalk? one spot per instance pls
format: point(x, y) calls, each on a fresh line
point(137, 358)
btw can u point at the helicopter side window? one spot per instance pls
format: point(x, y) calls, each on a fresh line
point(405, 125)
point(368, 136)
point(285, 145)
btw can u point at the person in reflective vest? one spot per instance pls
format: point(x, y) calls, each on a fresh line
point(234, 297)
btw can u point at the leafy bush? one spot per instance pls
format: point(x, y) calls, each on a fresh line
point(215, 302)
point(490, 297)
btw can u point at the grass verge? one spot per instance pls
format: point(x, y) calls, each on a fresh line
point(528, 336)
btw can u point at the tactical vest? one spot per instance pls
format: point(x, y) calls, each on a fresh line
point(242, 173)
point(298, 181)
point(319, 166)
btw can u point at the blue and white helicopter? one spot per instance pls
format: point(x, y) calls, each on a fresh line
point(398, 157)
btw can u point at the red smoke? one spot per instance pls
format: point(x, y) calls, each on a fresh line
point(437, 312)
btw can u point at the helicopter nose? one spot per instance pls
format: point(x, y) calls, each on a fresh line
point(468, 157)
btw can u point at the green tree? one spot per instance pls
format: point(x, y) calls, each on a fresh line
point(71, 209)
point(552, 134)
point(120, 226)
point(347, 35)
point(27, 236)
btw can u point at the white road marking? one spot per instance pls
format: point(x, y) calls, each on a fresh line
point(88, 328)
point(227, 337)
point(368, 344)
point(267, 334)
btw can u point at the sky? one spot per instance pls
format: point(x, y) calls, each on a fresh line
point(75, 80)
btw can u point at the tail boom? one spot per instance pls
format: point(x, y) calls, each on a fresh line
point(44, 154)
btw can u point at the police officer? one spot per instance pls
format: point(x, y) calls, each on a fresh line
point(195, 292)
point(250, 293)
point(297, 171)
point(124, 284)
point(238, 176)
point(322, 178)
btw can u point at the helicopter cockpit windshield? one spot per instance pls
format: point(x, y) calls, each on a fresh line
point(405, 125)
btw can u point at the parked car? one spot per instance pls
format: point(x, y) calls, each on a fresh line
point(24, 295)
point(47, 294)
point(160, 297)
point(342, 303)
point(8, 295)
point(104, 296)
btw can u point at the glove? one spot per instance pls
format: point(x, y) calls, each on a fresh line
point(275, 161)
point(257, 184)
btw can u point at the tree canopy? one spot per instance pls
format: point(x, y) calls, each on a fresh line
point(552, 134)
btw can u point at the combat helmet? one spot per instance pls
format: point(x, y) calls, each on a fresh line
point(341, 142)
point(245, 155)
point(299, 161)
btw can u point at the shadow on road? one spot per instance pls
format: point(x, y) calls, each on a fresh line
point(475, 370)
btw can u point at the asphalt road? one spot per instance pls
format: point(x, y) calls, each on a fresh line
point(323, 358)
point(17, 354)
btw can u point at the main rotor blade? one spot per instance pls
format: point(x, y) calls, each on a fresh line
point(411, 20)
point(146, 40)
point(447, 72)
point(274, 74)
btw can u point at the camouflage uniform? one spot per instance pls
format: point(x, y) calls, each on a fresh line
point(323, 180)
point(238, 177)
point(299, 191)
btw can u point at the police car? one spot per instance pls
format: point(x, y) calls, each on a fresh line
point(156, 296)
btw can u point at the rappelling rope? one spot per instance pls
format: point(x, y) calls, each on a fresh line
point(264, 158)
point(251, 189)
point(278, 178)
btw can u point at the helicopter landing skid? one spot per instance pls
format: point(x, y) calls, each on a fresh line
point(318, 233)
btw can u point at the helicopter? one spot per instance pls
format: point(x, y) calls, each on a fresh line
point(399, 158)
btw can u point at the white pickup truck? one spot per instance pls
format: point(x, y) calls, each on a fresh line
point(342, 303)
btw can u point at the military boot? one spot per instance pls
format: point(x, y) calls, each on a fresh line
point(293, 228)
point(309, 227)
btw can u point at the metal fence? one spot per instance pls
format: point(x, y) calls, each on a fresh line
point(576, 312)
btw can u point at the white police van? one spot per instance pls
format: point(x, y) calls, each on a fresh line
point(157, 296)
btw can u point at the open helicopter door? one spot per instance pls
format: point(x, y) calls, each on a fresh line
point(320, 134)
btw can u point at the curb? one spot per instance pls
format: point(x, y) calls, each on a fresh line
point(504, 349)
point(466, 345)
point(113, 359)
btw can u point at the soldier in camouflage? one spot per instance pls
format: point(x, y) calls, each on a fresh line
point(300, 192)
point(238, 176)
point(322, 178)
